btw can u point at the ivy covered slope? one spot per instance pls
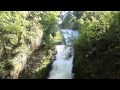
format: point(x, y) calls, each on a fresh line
point(21, 33)
point(97, 50)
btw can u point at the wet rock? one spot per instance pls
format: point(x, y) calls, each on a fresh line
point(48, 69)
point(55, 52)
point(53, 57)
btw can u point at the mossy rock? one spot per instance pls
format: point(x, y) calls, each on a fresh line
point(69, 55)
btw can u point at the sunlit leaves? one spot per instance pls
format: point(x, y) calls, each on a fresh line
point(13, 39)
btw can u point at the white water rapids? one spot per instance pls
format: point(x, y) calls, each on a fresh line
point(62, 66)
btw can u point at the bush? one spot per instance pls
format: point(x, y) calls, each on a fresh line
point(97, 48)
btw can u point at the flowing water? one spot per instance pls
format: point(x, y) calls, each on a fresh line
point(62, 66)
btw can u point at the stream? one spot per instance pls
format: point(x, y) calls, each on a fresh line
point(62, 66)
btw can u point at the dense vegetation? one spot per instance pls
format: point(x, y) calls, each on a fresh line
point(28, 39)
point(97, 50)
point(21, 33)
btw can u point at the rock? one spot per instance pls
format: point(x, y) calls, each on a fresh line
point(18, 62)
point(53, 58)
point(55, 52)
point(48, 69)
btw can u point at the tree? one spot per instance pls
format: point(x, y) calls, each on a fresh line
point(96, 50)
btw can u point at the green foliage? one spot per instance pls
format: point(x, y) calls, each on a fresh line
point(13, 39)
point(97, 48)
point(51, 37)
point(51, 29)
point(49, 20)
point(56, 39)
point(16, 30)
point(23, 32)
